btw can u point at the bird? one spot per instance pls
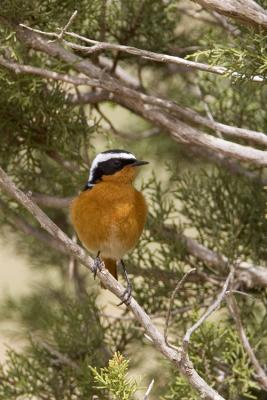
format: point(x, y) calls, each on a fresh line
point(109, 215)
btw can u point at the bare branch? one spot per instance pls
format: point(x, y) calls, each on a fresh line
point(225, 23)
point(114, 286)
point(28, 69)
point(19, 223)
point(136, 102)
point(246, 11)
point(148, 55)
point(149, 389)
point(234, 167)
point(234, 310)
point(119, 72)
point(209, 311)
point(184, 133)
point(62, 32)
point(174, 293)
point(89, 97)
point(246, 134)
point(61, 358)
point(249, 274)
point(45, 200)
point(193, 116)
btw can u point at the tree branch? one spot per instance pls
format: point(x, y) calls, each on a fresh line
point(232, 131)
point(45, 200)
point(246, 11)
point(249, 274)
point(234, 167)
point(89, 97)
point(114, 286)
point(148, 55)
point(189, 115)
point(19, 223)
point(136, 102)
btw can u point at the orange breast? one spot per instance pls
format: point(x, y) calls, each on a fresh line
point(110, 218)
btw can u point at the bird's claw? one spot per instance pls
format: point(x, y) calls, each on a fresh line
point(126, 297)
point(97, 265)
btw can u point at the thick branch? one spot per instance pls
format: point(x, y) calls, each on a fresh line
point(119, 72)
point(136, 102)
point(89, 97)
point(246, 11)
point(249, 274)
point(114, 286)
point(233, 131)
point(234, 167)
point(186, 113)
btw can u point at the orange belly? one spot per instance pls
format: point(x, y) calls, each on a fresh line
point(109, 218)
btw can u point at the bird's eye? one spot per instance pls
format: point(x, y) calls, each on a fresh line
point(117, 163)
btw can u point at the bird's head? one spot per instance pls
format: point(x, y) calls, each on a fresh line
point(114, 165)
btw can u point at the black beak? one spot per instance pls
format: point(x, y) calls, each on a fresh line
point(138, 163)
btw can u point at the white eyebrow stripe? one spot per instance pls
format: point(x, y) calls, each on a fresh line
point(101, 157)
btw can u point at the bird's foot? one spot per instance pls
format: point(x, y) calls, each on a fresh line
point(127, 295)
point(97, 264)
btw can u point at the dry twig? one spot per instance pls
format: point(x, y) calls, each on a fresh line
point(234, 310)
point(209, 311)
point(148, 55)
point(149, 389)
point(174, 293)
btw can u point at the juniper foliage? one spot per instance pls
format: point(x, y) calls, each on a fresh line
point(47, 143)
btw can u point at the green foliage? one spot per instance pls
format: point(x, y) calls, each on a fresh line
point(47, 144)
point(114, 380)
point(225, 366)
point(149, 24)
point(35, 132)
point(247, 55)
point(227, 212)
point(66, 338)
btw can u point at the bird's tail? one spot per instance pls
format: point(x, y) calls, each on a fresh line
point(111, 266)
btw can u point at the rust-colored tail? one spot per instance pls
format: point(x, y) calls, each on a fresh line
point(111, 265)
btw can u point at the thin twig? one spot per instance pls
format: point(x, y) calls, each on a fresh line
point(149, 389)
point(45, 200)
point(148, 55)
point(209, 311)
point(63, 30)
point(62, 358)
point(234, 310)
point(174, 293)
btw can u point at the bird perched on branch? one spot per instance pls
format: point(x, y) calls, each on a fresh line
point(110, 214)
